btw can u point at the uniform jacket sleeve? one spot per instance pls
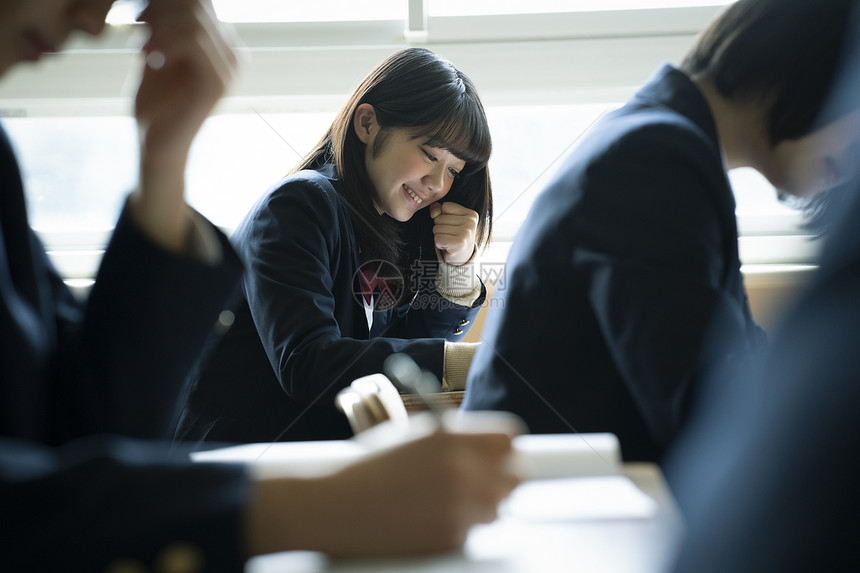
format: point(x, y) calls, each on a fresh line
point(115, 364)
point(144, 324)
point(96, 503)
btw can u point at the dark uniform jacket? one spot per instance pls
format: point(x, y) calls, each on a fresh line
point(300, 333)
point(765, 475)
point(626, 262)
point(115, 365)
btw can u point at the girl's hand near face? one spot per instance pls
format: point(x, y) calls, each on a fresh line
point(454, 231)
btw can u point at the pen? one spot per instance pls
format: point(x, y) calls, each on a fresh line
point(406, 375)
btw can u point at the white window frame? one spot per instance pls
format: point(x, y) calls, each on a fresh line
point(523, 59)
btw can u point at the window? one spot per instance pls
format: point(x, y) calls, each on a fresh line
point(479, 7)
point(124, 11)
point(70, 115)
point(319, 10)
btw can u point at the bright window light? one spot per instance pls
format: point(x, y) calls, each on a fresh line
point(485, 7)
point(79, 169)
point(124, 11)
point(318, 11)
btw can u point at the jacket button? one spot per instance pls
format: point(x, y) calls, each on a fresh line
point(458, 332)
point(464, 322)
point(180, 557)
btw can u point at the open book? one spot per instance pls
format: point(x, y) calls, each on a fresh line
point(567, 477)
point(537, 456)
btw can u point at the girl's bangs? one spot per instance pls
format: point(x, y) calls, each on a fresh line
point(464, 133)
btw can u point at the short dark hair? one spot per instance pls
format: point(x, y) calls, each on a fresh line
point(417, 90)
point(783, 52)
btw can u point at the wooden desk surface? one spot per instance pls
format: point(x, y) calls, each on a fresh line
point(444, 399)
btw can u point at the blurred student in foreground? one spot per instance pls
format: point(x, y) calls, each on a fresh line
point(765, 475)
point(629, 258)
point(73, 502)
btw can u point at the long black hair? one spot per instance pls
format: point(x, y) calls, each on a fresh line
point(422, 92)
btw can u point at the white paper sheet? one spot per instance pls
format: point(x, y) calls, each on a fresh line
point(583, 498)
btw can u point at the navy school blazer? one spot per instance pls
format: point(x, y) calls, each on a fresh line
point(300, 332)
point(764, 474)
point(626, 264)
point(113, 365)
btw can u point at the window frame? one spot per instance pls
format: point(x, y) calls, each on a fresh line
point(515, 59)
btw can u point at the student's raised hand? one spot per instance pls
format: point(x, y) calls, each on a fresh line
point(189, 65)
point(454, 231)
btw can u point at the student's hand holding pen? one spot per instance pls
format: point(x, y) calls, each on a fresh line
point(419, 496)
point(425, 484)
point(189, 65)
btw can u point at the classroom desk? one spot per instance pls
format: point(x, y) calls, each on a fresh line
point(624, 523)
